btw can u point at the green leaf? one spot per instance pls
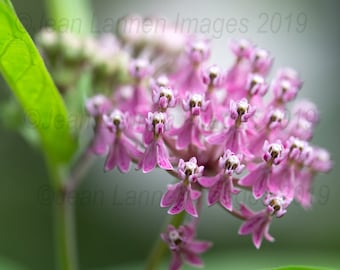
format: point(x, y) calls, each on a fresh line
point(24, 71)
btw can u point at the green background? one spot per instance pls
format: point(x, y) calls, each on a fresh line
point(118, 216)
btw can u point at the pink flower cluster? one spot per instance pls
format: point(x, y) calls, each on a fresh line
point(217, 132)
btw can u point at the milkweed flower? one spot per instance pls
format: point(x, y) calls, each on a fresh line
point(221, 186)
point(156, 153)
point(210, 127)
point(180, 196)
point(183, 246)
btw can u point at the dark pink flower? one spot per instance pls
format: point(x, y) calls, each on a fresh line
point(180, 196)
point(189, 75)
point(163, 98)
point(183, 246)
point(261, 61)
point(221, 185)
point(233, 137)
point(121, 150)
point(96, 107)
point(192, 129)
point(156, 153)
point(259, 177)
point(257, 224)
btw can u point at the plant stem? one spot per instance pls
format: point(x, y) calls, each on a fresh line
point(64, 215)
point(64, 231)
point(159, 248)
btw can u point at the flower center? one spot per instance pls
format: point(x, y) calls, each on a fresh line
point(242, 107)
point(232, 162)
point(275, 150)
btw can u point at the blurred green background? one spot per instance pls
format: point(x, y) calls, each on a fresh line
point(118, 216)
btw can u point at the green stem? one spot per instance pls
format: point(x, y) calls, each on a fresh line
point(64, 231)
point(159, 249)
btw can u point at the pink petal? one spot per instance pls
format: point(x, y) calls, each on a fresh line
point(176, 261)
point(260, 187)
point(170, 196)
point(103, 137)
point(163, 157)
point(149, 160)
point(190, 207)
point(246, 211)
point(193, 259)
point(208, 181)
point(251, 225)
point(257, 238)
point(254, 176)
point(225, 196)
point(214, 193)
point(267, 235)
point(218, 138)
point(199, 246)
point(196, 137)
point(233, 140)
point(208, 114)
point(179, 204)
point(184, 137)
point(194, 194)
point(111, 159)
point(133, 151)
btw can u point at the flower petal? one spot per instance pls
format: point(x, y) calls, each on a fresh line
point(251, 225)
point(218, 138)
point(190, 207)
point(208, 181)
point(184, 136)
point(199, 246)
point(260, 187)
point(225, 196)
point(176, 261)
point(124, 159)
point(193, 259)
point(111, 159)
point(170, 196)
point(214, 192)
point(179, 204)
point(163, 157)
point(149, 160)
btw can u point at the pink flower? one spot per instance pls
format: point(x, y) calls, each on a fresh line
point(137, 102)
point(284, 177)
point(189, 75)
point(261, 61)
point(213, 77)
point(180, 196)
point(318, 161)
point(163, 98)
point(96, 107)
point(259, 177)
point(192, 129)
point(221, 186)
point(156, 153)
point(233, 137)
point(122, 150)
point(256, 85)
point(286, 85)
point(183, 246)
point(276, 204)
point(242, 48)
point(257, 224)
point(271, 126)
